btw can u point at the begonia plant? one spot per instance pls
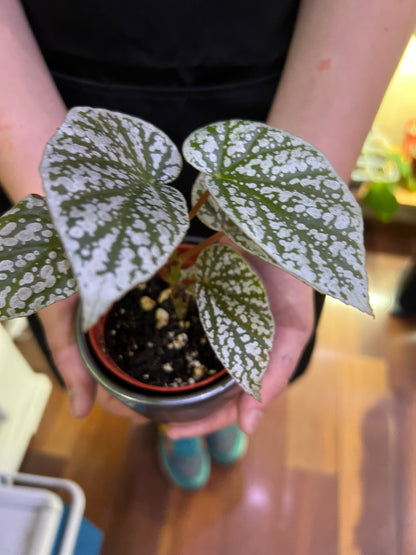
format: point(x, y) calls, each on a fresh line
point(111, 220)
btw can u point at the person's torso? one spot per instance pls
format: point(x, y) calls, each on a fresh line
point(185, 43)
point(178, 65)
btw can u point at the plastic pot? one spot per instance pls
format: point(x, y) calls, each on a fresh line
point(159, 407)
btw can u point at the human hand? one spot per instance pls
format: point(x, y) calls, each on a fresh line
point(58, 321)
point(292, 306)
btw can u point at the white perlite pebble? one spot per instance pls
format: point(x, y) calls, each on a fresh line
point(167, 367)
point(164, 295)
point(147, 303)
point(162, 318)
point(198, 372)
point(195, 363)
point(180, 341)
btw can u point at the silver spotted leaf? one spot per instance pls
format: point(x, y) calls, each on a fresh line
point(235, 314)
point(213, 217)
point(34, 270)
point(105, 177)
point(285, 196)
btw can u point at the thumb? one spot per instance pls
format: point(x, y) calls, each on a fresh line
point(81, 386)
point(250, 413)
point(281, 366)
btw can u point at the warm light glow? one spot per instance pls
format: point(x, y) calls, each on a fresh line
point(258, 496)
point(407, 65)
point(399, 103)
point(381, 301)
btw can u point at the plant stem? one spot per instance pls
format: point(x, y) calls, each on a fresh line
point(180, 299)
point(188, 282)
point(201, 201)
point(200, 247)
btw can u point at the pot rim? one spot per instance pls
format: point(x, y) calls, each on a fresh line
point(222, 385)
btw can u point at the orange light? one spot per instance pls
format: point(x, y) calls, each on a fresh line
point(409, 140)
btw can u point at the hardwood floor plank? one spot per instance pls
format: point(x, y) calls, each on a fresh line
point(138, 498)
point(312, 417)
point(378, 471)
point(365, 434)
point(406, 483)
point(44, 464)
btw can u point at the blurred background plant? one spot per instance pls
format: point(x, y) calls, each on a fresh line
point(384, 168)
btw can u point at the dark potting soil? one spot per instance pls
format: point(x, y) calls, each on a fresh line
point(176, 354)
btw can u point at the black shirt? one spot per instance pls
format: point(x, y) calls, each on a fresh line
point(178, 43)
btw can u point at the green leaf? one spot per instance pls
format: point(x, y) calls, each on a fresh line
point(404, 166)
point(235, 313)
point(411, 184)
point(34, 270)
point(105, 176)
point(213, 217)
point(380, 197)
point(286, 198)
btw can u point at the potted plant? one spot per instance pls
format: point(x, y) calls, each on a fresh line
point(111, 222)
point(386, 173)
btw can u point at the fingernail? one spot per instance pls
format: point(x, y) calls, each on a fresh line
point(171, 434)
point(75, 403)
point(252, 420)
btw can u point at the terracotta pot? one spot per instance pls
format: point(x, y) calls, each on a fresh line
point(96, 337)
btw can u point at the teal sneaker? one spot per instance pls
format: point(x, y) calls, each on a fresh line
point(185, 462)
point(228, 445)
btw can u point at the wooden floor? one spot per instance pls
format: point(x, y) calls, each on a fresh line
point(330, 470)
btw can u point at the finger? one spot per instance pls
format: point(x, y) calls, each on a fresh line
point(220, 419)
point(287, 348)
point(110, 404)
point(58, 322)
point(81, 386)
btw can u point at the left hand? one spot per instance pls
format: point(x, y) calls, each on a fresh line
point(291, 302)
point(58, 321)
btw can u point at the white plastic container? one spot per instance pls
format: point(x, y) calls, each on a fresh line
point(30, 516)
point(29, 520)
point(23, 397)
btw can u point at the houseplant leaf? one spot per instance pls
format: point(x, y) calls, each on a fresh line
point(105, 176)
point(34, 270)
point(380, 197)
point(235, 313)
point(213, 217)
point(285, 196)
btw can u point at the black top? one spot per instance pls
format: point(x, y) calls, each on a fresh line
point(181, 42)
point(177, 64)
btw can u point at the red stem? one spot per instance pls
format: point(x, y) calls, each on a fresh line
point(200, 246)
point(198, 205)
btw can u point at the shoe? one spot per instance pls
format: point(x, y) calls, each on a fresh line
point(185, 462)
point(228, 445)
